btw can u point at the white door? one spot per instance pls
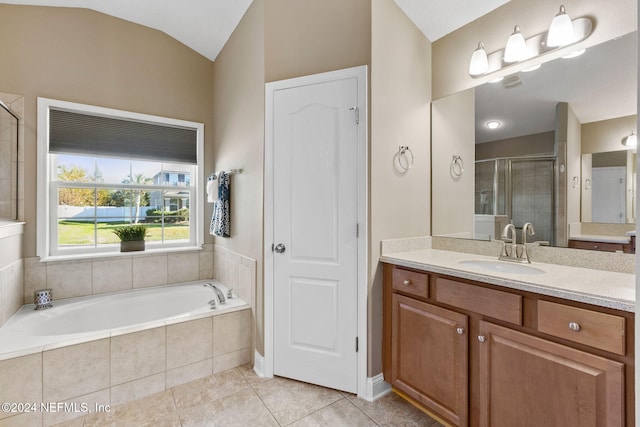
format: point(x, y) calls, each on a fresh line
point(315, 226)
point(609, 194)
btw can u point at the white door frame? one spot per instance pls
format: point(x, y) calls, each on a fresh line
point(270, 88)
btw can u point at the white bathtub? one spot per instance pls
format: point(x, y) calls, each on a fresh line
point(76, 320)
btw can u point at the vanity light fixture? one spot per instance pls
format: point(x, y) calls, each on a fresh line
point(574, 54)
point(479, 63)
point(535, 67)
point(630, 140)
point(516, 49)
point(493, 124)
point(561, 30)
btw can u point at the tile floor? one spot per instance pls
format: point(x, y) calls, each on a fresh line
point(238, 397)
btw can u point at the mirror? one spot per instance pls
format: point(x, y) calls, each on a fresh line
point(553, 124)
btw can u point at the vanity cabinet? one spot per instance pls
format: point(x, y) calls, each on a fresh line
point(473, 354)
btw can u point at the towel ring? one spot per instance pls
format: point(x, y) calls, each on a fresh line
point(404, 152)
point(457, 166)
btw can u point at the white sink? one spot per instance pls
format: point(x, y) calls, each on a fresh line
point(503, 267)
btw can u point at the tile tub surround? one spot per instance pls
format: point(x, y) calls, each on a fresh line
point(602, 288)
point(237, 397)
point(119, 273)
point(124, 367)
point(11, 285)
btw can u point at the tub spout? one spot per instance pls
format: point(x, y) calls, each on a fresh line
point(218, 292)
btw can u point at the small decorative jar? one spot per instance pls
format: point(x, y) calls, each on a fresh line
point(42, 299)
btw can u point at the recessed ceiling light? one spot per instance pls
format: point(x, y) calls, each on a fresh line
point(493, 124)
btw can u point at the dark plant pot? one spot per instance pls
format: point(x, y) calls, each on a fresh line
point(131, 245)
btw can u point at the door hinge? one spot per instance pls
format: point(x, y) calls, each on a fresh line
point(356, 112)
point(356, 344)
point(272, 247)
point(357, 230)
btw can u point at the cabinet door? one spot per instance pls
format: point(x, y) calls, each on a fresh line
point(429, 357)
point(528, 381)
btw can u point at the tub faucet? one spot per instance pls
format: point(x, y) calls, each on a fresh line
point(218, 292)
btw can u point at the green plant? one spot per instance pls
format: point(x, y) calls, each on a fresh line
point(131, 232)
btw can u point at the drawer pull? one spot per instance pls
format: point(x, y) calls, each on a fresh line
point(460, 331)
point(574, 326)
point(406, 282)
point(482, 338)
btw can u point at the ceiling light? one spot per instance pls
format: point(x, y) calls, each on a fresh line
point(561, 30)
point(575, 53)
point(516, 49)
point(493, 124)
point(631, 140)
point(496, 80)
point(479, 63)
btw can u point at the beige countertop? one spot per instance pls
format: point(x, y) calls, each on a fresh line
point(597, 287)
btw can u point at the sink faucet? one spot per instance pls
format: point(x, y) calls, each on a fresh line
point(217, 291)
point(509, 229)
point(517, 253)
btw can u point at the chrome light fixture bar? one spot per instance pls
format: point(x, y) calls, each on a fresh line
point(535, 46)
point(630, 140)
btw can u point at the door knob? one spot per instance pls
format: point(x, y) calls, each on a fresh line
point(280, 248)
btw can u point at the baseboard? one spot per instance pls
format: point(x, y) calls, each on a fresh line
point(258, 364)
point(376, 388)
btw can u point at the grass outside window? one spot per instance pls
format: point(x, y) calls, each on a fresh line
point(82, 233)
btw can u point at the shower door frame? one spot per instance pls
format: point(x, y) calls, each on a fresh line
point(14, 200)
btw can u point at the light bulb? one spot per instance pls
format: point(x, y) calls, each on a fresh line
point(561, 30)
point(516, 49)
point(479, 63)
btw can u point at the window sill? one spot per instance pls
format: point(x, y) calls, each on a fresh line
point(146, 252)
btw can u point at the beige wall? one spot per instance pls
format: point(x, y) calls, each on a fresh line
point(540, 144)
point(238, 115)
point(574, 166)
point(400, 100)
point(313, 36)
point(453, 121)
point(451, 54)
point(607, 135)
point(83, 56)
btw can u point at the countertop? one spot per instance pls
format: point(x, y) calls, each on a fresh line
point(596, 287)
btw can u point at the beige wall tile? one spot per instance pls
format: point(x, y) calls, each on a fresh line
point(149, 271)
point(21, 380)
point(206, 265)
point(191, 372)
point(69, 279)
point(189, 342)
point(246, 282)
point(111, 275)
point(35, 277)
point(231, 360)
point(76, 370)
point(231, 332)
point(137, 355)
point(183, 267)
point(28, 419)
point(77, 407)
point(11, 288)
point(137, 389)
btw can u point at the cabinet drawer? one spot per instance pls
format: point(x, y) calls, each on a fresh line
point(497, 304)
point(410, 282)
point(599, 330)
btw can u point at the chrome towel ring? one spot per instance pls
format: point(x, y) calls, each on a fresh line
point(405, 157)
point(457, 166)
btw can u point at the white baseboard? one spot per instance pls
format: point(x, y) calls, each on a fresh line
point(258, 364)
point(376, 388)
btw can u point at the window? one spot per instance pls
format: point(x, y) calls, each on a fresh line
point(101, 168)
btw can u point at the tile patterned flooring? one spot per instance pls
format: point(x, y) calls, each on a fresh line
point(238, 397)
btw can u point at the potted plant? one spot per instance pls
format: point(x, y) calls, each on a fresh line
point(131, 237)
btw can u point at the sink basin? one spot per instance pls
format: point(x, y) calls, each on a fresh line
point(503, 267)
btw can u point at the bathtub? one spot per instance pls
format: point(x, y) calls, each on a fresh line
point(110, 349)
point(73, 320)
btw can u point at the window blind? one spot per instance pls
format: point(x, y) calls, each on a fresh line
point(76, 133)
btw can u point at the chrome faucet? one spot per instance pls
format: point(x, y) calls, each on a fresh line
point(517, 253)
point(509, 229)
point(217, 291)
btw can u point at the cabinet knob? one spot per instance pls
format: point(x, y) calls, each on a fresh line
point(406, 282)
point(460, 331)
point(574, 326)
point(482, 338)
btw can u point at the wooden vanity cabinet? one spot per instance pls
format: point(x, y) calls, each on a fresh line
point(472, 354)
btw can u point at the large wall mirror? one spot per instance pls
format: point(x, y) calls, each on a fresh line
point(545, 147)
